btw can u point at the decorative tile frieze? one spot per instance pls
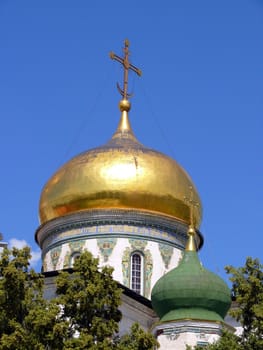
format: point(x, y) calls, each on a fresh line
point(44, 263)
point(137, 244)
point(74, 247)
point(201, 332)
point(66, 263)
point(116, 231)
point(148, 272)
point(106, 246)
point(166, 252)
point(100, 222)
point(55, 255)
point(126, 267)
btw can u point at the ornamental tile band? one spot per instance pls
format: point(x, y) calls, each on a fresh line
point(66, 263)
point(166, 252)
point(118, 230)
point(54, 255)
point(106, 246)
point(126, 266)
point(148, 272)
point(127, 222)
point(137, 244)
point(74, 247)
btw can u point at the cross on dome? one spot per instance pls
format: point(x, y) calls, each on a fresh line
point(126, 65)
point(193, 204)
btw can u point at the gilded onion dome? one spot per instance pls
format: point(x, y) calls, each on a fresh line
point(121, 174)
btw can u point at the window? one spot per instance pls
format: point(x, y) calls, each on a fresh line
point(73, 258)
point(137, 273)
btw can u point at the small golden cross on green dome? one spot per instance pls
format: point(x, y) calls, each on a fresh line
point(193, 204)
point(126, 65)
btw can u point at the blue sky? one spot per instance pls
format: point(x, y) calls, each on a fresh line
point(199, 100)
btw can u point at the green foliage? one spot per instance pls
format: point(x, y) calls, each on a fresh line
point(248, 292)
point(90, 299)
point(27, 320)
point(138, 340)
point(84, 315)
point(247, 289)
point(228, 341)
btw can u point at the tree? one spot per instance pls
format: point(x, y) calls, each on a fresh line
point(27, 320)
point(137, 339)
point(228, 341)
point(247, 291)
point(90, 299)
point(84, 315)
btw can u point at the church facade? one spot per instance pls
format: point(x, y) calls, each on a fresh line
point(138, 211)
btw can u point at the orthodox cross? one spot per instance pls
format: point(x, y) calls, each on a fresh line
point(126, 65)
point(193, 204)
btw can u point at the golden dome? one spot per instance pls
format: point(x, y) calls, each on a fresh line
point(122, 174)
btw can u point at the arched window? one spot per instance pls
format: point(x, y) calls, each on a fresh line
point(137, 273)
point(73, 258)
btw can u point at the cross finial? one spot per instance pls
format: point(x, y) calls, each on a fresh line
point(193, 204)
point(126, 65)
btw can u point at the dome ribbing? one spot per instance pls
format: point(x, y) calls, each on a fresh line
point(191, 292)
point(122, 174)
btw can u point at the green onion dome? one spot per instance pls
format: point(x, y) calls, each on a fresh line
point(191, 292)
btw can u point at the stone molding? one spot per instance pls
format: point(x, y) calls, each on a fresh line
point(85, 219)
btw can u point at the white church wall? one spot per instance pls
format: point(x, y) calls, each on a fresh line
point(115, 258)
point(134, 311)
point(133, 308)
point(180, 341)
point(116, 252)
point(176, 335)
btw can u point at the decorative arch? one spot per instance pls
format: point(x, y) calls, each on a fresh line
point(75, 247)
point(138, 247)
point(73, 258)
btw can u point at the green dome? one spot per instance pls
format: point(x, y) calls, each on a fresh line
point(191, 292)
